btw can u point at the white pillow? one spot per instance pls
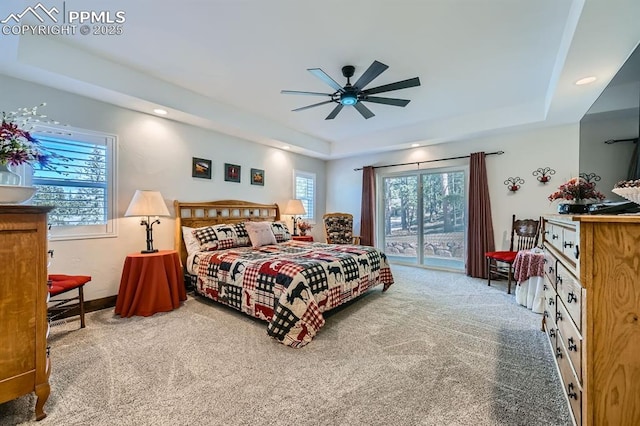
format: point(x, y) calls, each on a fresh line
point(190, 240)
point(260, 233)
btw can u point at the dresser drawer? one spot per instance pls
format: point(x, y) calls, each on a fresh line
point(571, 339)
point(553, 235)
point(569, 243)
point(570, 382)
point(549, 294)
point(550, 268)
point(550, 325)
point(570, 294)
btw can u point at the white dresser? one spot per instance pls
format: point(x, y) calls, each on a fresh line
point(592, 314)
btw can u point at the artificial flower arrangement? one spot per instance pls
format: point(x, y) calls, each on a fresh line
point(304, 226)
point(576, 189)
point(17, 146)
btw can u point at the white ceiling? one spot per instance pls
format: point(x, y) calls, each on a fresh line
point(485, 65)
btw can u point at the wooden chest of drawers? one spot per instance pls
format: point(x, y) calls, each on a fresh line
point(592, 314)
point(24, 364)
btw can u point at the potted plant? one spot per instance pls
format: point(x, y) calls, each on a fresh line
point(304, 227)
point(578, 193)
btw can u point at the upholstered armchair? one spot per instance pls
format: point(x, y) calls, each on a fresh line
point(338, 228)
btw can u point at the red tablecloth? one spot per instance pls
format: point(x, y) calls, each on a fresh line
point(150, 283)
point(528, 264)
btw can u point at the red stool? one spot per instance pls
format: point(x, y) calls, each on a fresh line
point(59, 284)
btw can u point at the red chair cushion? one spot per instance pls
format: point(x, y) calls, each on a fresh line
point(502, 256)
point(61, 283)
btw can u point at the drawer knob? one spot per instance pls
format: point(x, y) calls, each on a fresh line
point(567, 244)
point(546, 314)
point(570, 392)
point(558, 352)
point(571, 297)
point(572, 345)
point(550, 269)
point(544, 287)
point(558, 279)
point(576, 252)
point(552, 333)
point(554, 237)
point(551, 302)
point(558, 316)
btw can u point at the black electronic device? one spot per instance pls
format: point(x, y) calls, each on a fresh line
point(618, 207)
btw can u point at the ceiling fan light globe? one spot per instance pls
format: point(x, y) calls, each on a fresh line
point(348, 99)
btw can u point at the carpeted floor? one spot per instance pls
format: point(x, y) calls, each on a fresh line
point(436, 349)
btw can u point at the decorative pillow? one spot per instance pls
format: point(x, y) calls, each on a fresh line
point(281, 231)
point(216, 237)
point(260, 233)
point(190, 241)
point(243, 236)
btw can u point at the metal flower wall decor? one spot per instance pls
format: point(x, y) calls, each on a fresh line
point(544, 174)
point(514, 183)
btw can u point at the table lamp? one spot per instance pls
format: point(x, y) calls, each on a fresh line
point(294, 208)
point(147, 203)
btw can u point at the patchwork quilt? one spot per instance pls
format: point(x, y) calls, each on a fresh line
point(291, 284)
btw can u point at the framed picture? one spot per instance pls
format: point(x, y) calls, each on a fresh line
point(257, 177)
point(201, 168)
point(231, 172)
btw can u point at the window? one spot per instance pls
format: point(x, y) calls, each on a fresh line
point(79, 182)
point(424, 214)
point(304, 189)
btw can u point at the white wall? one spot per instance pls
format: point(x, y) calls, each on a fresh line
point(155, 153)
point(524, 152)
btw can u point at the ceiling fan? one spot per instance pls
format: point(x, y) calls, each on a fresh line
point(354, 95)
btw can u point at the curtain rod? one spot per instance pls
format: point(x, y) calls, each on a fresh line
point(612, 141)
point(431, 161)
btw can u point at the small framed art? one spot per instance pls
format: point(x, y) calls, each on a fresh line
point(257, 177)
point(201, 168)
point(231, 172)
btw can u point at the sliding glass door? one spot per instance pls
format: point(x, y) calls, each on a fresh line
point(425, 217)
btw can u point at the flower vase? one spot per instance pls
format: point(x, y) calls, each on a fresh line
point(577, 207)
point(7, 177)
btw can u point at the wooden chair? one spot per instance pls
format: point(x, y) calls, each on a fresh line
point(524, 236)
point(338, 228)
point(60, 284)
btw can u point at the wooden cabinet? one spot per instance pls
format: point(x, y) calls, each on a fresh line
point(24, 364)
point(592, 314)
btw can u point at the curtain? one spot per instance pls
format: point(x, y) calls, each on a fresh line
point(480, 237)
point(368, 208)
point(634, 166)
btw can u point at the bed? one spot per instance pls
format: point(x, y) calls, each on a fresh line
point(287, 283)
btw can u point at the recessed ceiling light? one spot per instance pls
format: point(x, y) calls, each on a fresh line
point(415, 145)
point(286, 147)
point(160, 111)
point(586, 80)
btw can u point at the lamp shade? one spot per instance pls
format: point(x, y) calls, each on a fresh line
point(147, 203)
point(294, 207)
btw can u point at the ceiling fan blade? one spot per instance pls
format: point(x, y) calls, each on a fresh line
point(311, 106)
point(374, 70)
point(412, 82)
point(366, 112)
point(335, 112)
point(297, 92)
point(386, 101)
point(325, 77)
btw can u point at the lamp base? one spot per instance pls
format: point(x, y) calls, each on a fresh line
point(149, 251)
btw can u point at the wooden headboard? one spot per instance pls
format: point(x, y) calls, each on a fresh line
point(198, 214)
